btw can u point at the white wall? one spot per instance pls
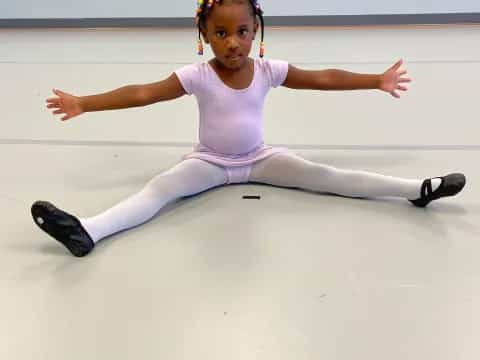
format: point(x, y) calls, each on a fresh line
point(18, 9)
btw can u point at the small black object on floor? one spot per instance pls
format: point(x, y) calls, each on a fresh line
point(251, 197)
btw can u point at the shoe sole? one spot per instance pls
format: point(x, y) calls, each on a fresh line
point(43, 211)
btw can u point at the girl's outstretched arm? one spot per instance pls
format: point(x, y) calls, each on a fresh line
point(333, 79)
point(121, 98)
point(164, 90)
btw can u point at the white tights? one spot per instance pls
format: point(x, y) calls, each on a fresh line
point(193, 176)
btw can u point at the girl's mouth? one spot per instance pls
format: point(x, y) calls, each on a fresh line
point(234, 58)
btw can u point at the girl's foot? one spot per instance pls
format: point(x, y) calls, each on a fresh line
point(451, 185)
point(64, 227)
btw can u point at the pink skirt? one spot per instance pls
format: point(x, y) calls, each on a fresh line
point(261, 152)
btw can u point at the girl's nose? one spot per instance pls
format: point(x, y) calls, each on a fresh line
point(232, 43)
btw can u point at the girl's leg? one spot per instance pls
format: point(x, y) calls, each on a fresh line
point(189, 177)
point(290, 170)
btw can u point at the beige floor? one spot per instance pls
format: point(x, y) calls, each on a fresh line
point(296, 275)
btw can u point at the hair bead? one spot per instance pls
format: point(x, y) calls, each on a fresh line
point(262, 49)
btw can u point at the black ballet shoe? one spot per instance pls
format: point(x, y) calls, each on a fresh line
point(451, 185)
point(64, 227)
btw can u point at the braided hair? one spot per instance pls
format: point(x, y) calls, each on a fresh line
point(205, 7)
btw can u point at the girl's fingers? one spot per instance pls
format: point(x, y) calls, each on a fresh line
point(403, 88)
point(397, 64)
point(60, 111)
point(60, 93)
point(404, 80)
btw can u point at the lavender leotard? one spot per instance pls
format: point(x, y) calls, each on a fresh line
point(231, 120)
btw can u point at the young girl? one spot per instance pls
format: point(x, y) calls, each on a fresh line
point(230, 90)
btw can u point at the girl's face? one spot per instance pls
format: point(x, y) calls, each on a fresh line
point(231, 28)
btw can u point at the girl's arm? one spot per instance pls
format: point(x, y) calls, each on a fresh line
point(134, 95)
point(333, 79)
point(121, 98)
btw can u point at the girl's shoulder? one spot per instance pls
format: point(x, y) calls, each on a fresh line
point(274, 69)
point(271, 65)
point(196, 65)
point(269, 61)
point(193, 70)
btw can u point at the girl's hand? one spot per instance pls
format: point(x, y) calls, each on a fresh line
point(65, 104)
point(391, 79)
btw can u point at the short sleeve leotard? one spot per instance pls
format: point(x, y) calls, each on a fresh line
point(231, 120)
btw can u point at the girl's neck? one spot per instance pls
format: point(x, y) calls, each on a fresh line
point(236, 79)
point(229, 72)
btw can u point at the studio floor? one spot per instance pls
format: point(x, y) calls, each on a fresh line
point(293, 275)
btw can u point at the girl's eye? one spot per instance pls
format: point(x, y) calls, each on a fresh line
point(222, 33)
